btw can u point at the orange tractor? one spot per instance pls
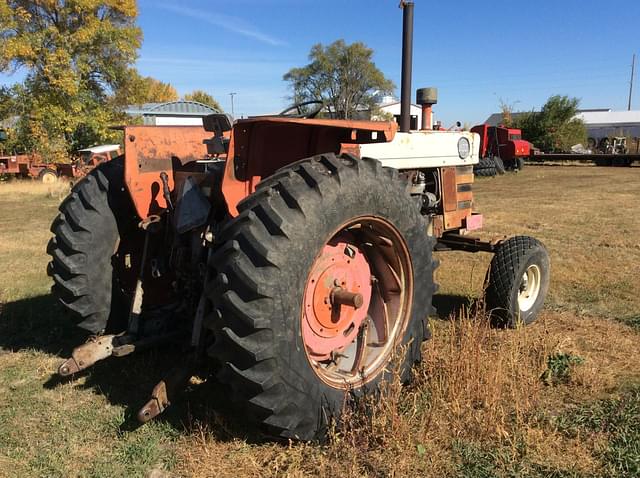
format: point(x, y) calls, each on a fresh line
point(281, 253)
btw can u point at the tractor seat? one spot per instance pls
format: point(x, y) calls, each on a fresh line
point(217, 145)
point(218, 124)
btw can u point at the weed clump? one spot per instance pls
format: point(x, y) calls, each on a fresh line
point(559, 367)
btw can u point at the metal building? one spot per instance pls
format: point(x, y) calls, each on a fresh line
point(602, 124)
point(173, 113)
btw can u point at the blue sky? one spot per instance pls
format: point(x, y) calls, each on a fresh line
point(476, 53)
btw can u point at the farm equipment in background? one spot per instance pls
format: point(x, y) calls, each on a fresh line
point(608, 151)
point(32, 166)
point(501, 149)
point(613, 145)
point(278, 251)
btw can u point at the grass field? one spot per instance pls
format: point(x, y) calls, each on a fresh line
point(560, 398)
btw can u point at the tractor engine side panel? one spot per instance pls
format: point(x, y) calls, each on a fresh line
point(424, 149)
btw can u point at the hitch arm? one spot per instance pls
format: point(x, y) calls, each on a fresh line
point(164, 393)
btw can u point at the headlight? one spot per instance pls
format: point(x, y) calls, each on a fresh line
point(463, 148)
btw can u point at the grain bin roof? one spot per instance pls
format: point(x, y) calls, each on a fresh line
point(171, 108)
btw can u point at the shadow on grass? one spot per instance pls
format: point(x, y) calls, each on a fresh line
point(449, 306)
point(42, 324)
point(38, 323)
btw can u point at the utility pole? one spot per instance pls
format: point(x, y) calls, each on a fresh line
point(233, 113)
point(633, 67)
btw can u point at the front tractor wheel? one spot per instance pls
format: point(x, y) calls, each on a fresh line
point(323, 281)
point(48, 176)
point(517, 281)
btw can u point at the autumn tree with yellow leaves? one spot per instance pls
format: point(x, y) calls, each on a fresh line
point(76, 55)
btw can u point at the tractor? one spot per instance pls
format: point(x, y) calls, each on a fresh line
point(278, 251)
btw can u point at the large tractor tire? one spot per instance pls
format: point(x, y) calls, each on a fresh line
point(486, 167)
point(324, 284)
point(499, 165)
point(86, 238)
point(517, 281)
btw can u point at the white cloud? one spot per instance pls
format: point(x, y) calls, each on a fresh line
point(227, 22)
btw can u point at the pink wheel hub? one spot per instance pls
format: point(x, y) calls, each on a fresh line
point(336, 298)
point(357, 302)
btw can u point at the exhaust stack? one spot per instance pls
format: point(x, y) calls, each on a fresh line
point(407, 59)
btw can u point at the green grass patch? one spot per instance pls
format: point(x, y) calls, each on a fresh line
point(475, 460)
point(619, 420)
point(632, 320)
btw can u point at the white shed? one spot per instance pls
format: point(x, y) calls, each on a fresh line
point(609, 123)
point(393, 107)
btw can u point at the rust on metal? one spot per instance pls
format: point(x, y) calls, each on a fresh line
point(261, 146)
point(457, 196)
point(451, 241)
point(437, 226)
point(340, 296)
point(151, 150)
point(164, 393)
point(84, 356)
point(449, 189)
point(156, 405)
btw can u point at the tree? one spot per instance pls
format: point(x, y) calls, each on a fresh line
point(137, 90)
point(76, 55)
point(343, 76)
point(204, 98)
point(507, 111)
point(554, 127)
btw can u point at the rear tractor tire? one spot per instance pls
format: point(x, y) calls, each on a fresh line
point(86, 238)
point(323, 284)
point(486, 167)
point(517, 281)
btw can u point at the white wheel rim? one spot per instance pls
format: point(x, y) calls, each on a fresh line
point(49, 178)
point(529, 288)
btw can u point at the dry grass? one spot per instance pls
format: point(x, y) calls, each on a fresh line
point(478, 388)
point(585, 217)
point(476, 407)
point(57, 190)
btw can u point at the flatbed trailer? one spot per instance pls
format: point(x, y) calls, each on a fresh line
point(599, 159)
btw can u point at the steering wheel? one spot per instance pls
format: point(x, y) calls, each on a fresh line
point(297, 110)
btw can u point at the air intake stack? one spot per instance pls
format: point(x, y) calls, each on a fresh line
point(426, 98)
